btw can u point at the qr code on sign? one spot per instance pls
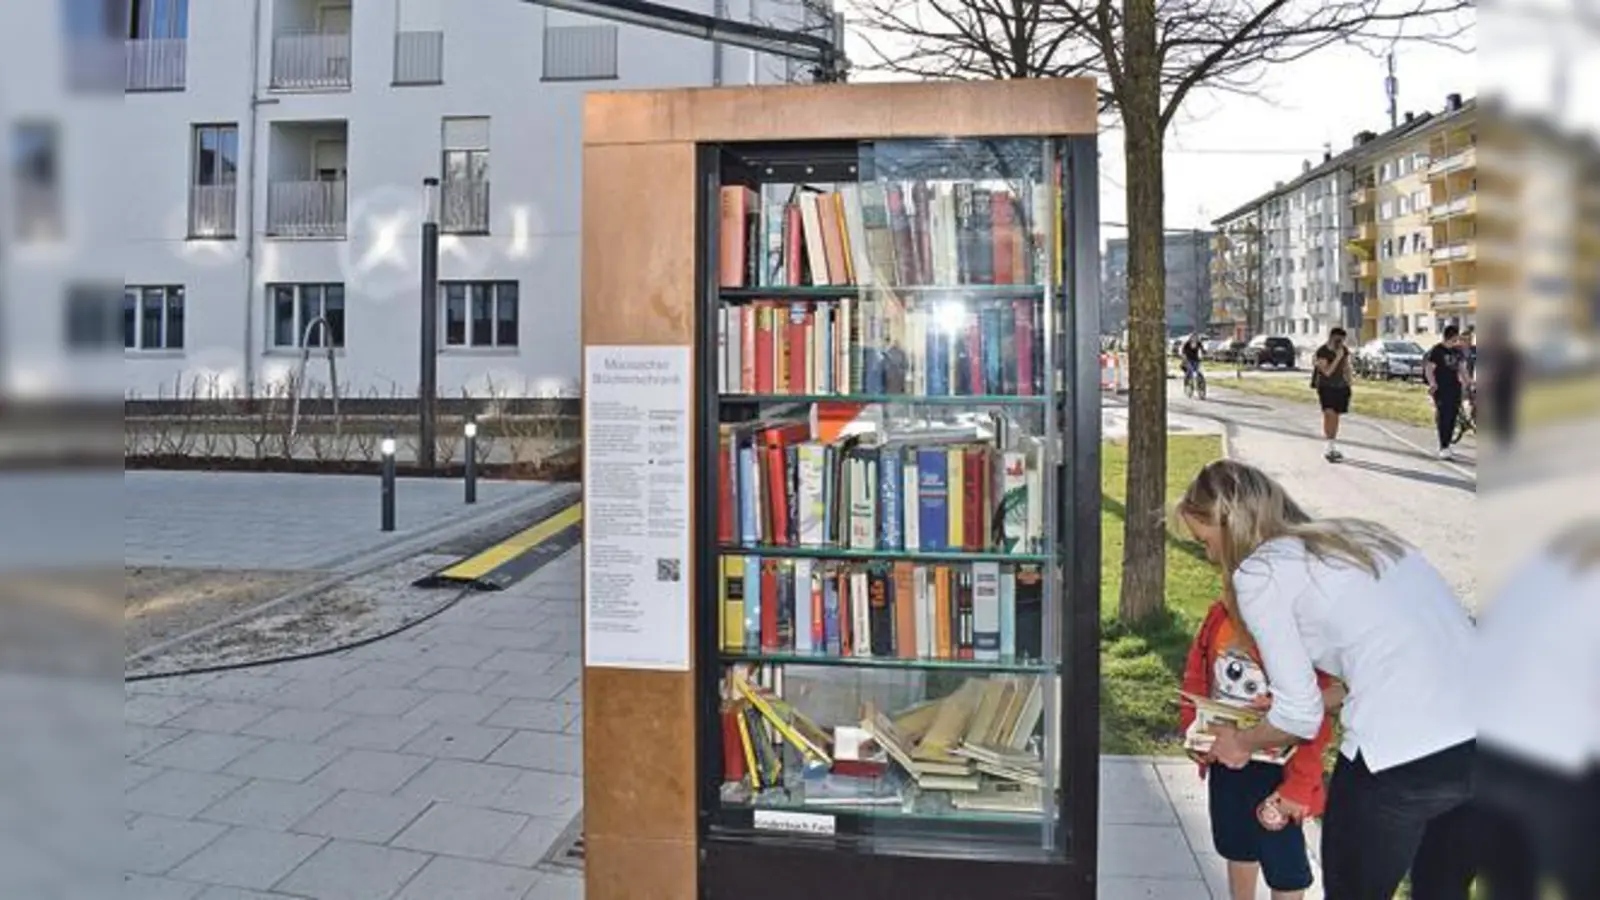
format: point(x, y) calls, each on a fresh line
point(667, 570)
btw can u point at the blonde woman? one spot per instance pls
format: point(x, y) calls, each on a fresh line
point(1348, 598)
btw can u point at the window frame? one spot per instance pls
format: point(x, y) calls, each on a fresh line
point(465, 292)
point(298, 300)
point(173, 302)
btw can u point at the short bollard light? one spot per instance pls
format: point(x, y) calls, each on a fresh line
point(471, 430)
point(387, 516)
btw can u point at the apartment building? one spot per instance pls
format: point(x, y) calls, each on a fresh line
point(236, 180)
point(1187, 255)
point(1293, 237)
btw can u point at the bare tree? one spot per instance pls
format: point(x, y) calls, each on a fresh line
point(1149, 56)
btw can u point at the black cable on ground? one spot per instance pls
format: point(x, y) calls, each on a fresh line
point(309, 654)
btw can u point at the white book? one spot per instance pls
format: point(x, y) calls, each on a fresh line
point(1034, 541)
point(860, 615)
point(910, 508)
point(1008, 614)
point(811, 227)
point(802, 606)
point(841, 346)
point(723, 356)
point(923, 593)
point(863, 491)
point(986, 611)
point(811, 459)
point(856, 233)
point(947, 259)
point(1014, 501)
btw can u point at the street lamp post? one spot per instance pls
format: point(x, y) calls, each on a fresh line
point(428, 383)
point(471, 473)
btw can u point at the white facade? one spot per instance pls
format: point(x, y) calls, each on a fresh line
point(268, 159)
point(1304, 266)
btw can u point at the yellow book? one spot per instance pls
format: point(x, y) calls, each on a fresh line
point(955, 486)
point(846, 237)
point(789, 733)
point(732, 603)
point(749, 749)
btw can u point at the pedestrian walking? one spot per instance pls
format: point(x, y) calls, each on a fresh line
point(1331, 375)
point(1349, 598)
point(1445, 371)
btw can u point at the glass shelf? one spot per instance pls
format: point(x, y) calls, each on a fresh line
point(791, 657)
point(919, 807)
point(956, 556)
point(838, 291)
point(901, 399)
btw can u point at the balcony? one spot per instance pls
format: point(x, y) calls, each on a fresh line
point(1365, 195)
point(419, 57)
point(580, 52)
point(306, 209)
point(1460, 206)
point(212, 211)
point(157, 64)
point(1466, 158)
point(1367, 269)
point(1456, 300)
point(1365, 233)
point(310, 62)
point(1457, 252)
point(464, 206)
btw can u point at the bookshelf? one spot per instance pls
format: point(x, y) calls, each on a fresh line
point(895, 579)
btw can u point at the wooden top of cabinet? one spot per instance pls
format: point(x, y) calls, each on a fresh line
point(1055, 107)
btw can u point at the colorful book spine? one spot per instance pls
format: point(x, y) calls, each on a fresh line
point(933, 499)
point(891, 533)
point(986, 611)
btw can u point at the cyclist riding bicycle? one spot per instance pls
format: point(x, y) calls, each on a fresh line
point(1193, 378)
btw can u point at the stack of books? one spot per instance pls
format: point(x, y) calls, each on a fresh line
point(1210, 713)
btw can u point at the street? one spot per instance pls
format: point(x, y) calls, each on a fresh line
point(1389, 473)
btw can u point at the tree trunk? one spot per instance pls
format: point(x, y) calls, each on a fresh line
point(1144, 541)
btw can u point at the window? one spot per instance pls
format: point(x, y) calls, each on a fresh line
point(577, 51)
point(35, 181)
point(1403, 205)
point(90, 318)
point(1386, 249)
point(1419, 200)
point(152, 317)
point(1386, 210)
point(156, 19)
point(464, 187)
point(480, 313)
point(293, 307)
point(213, 185)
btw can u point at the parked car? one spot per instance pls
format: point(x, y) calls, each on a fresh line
point(1387, 358)
point(1230, 350)
point(1265, 350)
point(1211, 348)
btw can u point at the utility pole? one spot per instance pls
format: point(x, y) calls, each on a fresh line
point(428, 383)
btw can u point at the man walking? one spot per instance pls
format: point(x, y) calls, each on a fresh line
point(1445, 370)
point(1331, 377)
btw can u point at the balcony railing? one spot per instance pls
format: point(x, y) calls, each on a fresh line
point(157, 64)
point(306, 209)
point(580, 52)
point(1363, 195)
point(310, 62)
point(419, 57)
point(211, 210)
point(1366, 232)
point(1452, 252)
point(1456, 207)
point(1465, 158)
point(464, 206)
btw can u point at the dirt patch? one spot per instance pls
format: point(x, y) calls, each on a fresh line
point(162, 603)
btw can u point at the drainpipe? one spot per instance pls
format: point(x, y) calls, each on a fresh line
point(250, 143)
point(720, 10)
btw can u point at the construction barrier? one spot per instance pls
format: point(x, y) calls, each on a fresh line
point(1114, 372)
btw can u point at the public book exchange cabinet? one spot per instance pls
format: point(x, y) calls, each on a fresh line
point(841, 492)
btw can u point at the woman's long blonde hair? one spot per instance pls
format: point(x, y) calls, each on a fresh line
point(1251, 509)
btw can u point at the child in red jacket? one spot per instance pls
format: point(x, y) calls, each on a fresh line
point(1223, 666)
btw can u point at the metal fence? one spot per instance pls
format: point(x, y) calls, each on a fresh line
point(157, 64)
point(580, 52)
point(419, 57)
point(464, 206)
point(212, 210)
point(306, 208)
point(311, 61)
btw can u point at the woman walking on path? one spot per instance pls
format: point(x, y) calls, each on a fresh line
point(1349, 598)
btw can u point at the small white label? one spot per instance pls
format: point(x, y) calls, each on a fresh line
point(797, 823)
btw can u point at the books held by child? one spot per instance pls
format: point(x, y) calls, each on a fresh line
point(1210, 713)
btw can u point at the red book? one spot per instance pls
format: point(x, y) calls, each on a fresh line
point(725, 500)
point(845, 646)
point(900, 230)
point(732, 746)
point(905, 611)
point(765, 348)
point(799, 317)
point(769, 604)
point(777, 496)
point(972, 475)
point(818, 615)
point(1024, 347)
point(1005, 236)
point(792, 242)
point(738, 204)
point(747, 352)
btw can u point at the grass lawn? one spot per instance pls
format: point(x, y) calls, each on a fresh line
point(1398, 401)
point(1141, 669)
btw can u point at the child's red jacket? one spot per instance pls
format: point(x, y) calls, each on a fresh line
point(1302, 774)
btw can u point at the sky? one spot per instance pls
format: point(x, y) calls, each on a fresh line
point(1224, 150)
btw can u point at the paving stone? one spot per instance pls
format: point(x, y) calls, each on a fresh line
point(533, 715)
point(220, 892)
point(1147, 851)
point(454, 781)
point(156, 709)
point(146, 887)
point(459, 654)
point(541, 794)
point(375, 733)
point(202, 752)
point(1131, 793)
point(298, 694)
point(360, 816)
point(344, 870)
point(248, 858)
point(543, 751)
point(296, 724)
point(456, 830)
point(461, 879)
point(285, 761)
point(557, 887)
point(224, 716)
point(139, 740)
point(455, 678)
point(531, 844)
point(525, 661)
point(322, 668)
point(385, 673)
point(375, 701)
point(456, 707)
point(529, 686)
point(157, 843)
point(268, 804)
point(181, 794)
point(449, 740)
point(376, 771)
point(1123, 887)
point(241, 686)
point(135, 774)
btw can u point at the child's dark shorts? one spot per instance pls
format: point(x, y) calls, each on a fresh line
point(1238, 835)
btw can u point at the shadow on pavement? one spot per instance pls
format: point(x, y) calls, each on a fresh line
point(1460, 484)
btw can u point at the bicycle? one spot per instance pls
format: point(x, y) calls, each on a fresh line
point(1467, 420)
point(1194, 382)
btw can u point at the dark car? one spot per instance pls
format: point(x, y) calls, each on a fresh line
point(1389, 359)
point(1263, 350)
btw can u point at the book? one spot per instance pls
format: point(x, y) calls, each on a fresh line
point(1209, 713)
